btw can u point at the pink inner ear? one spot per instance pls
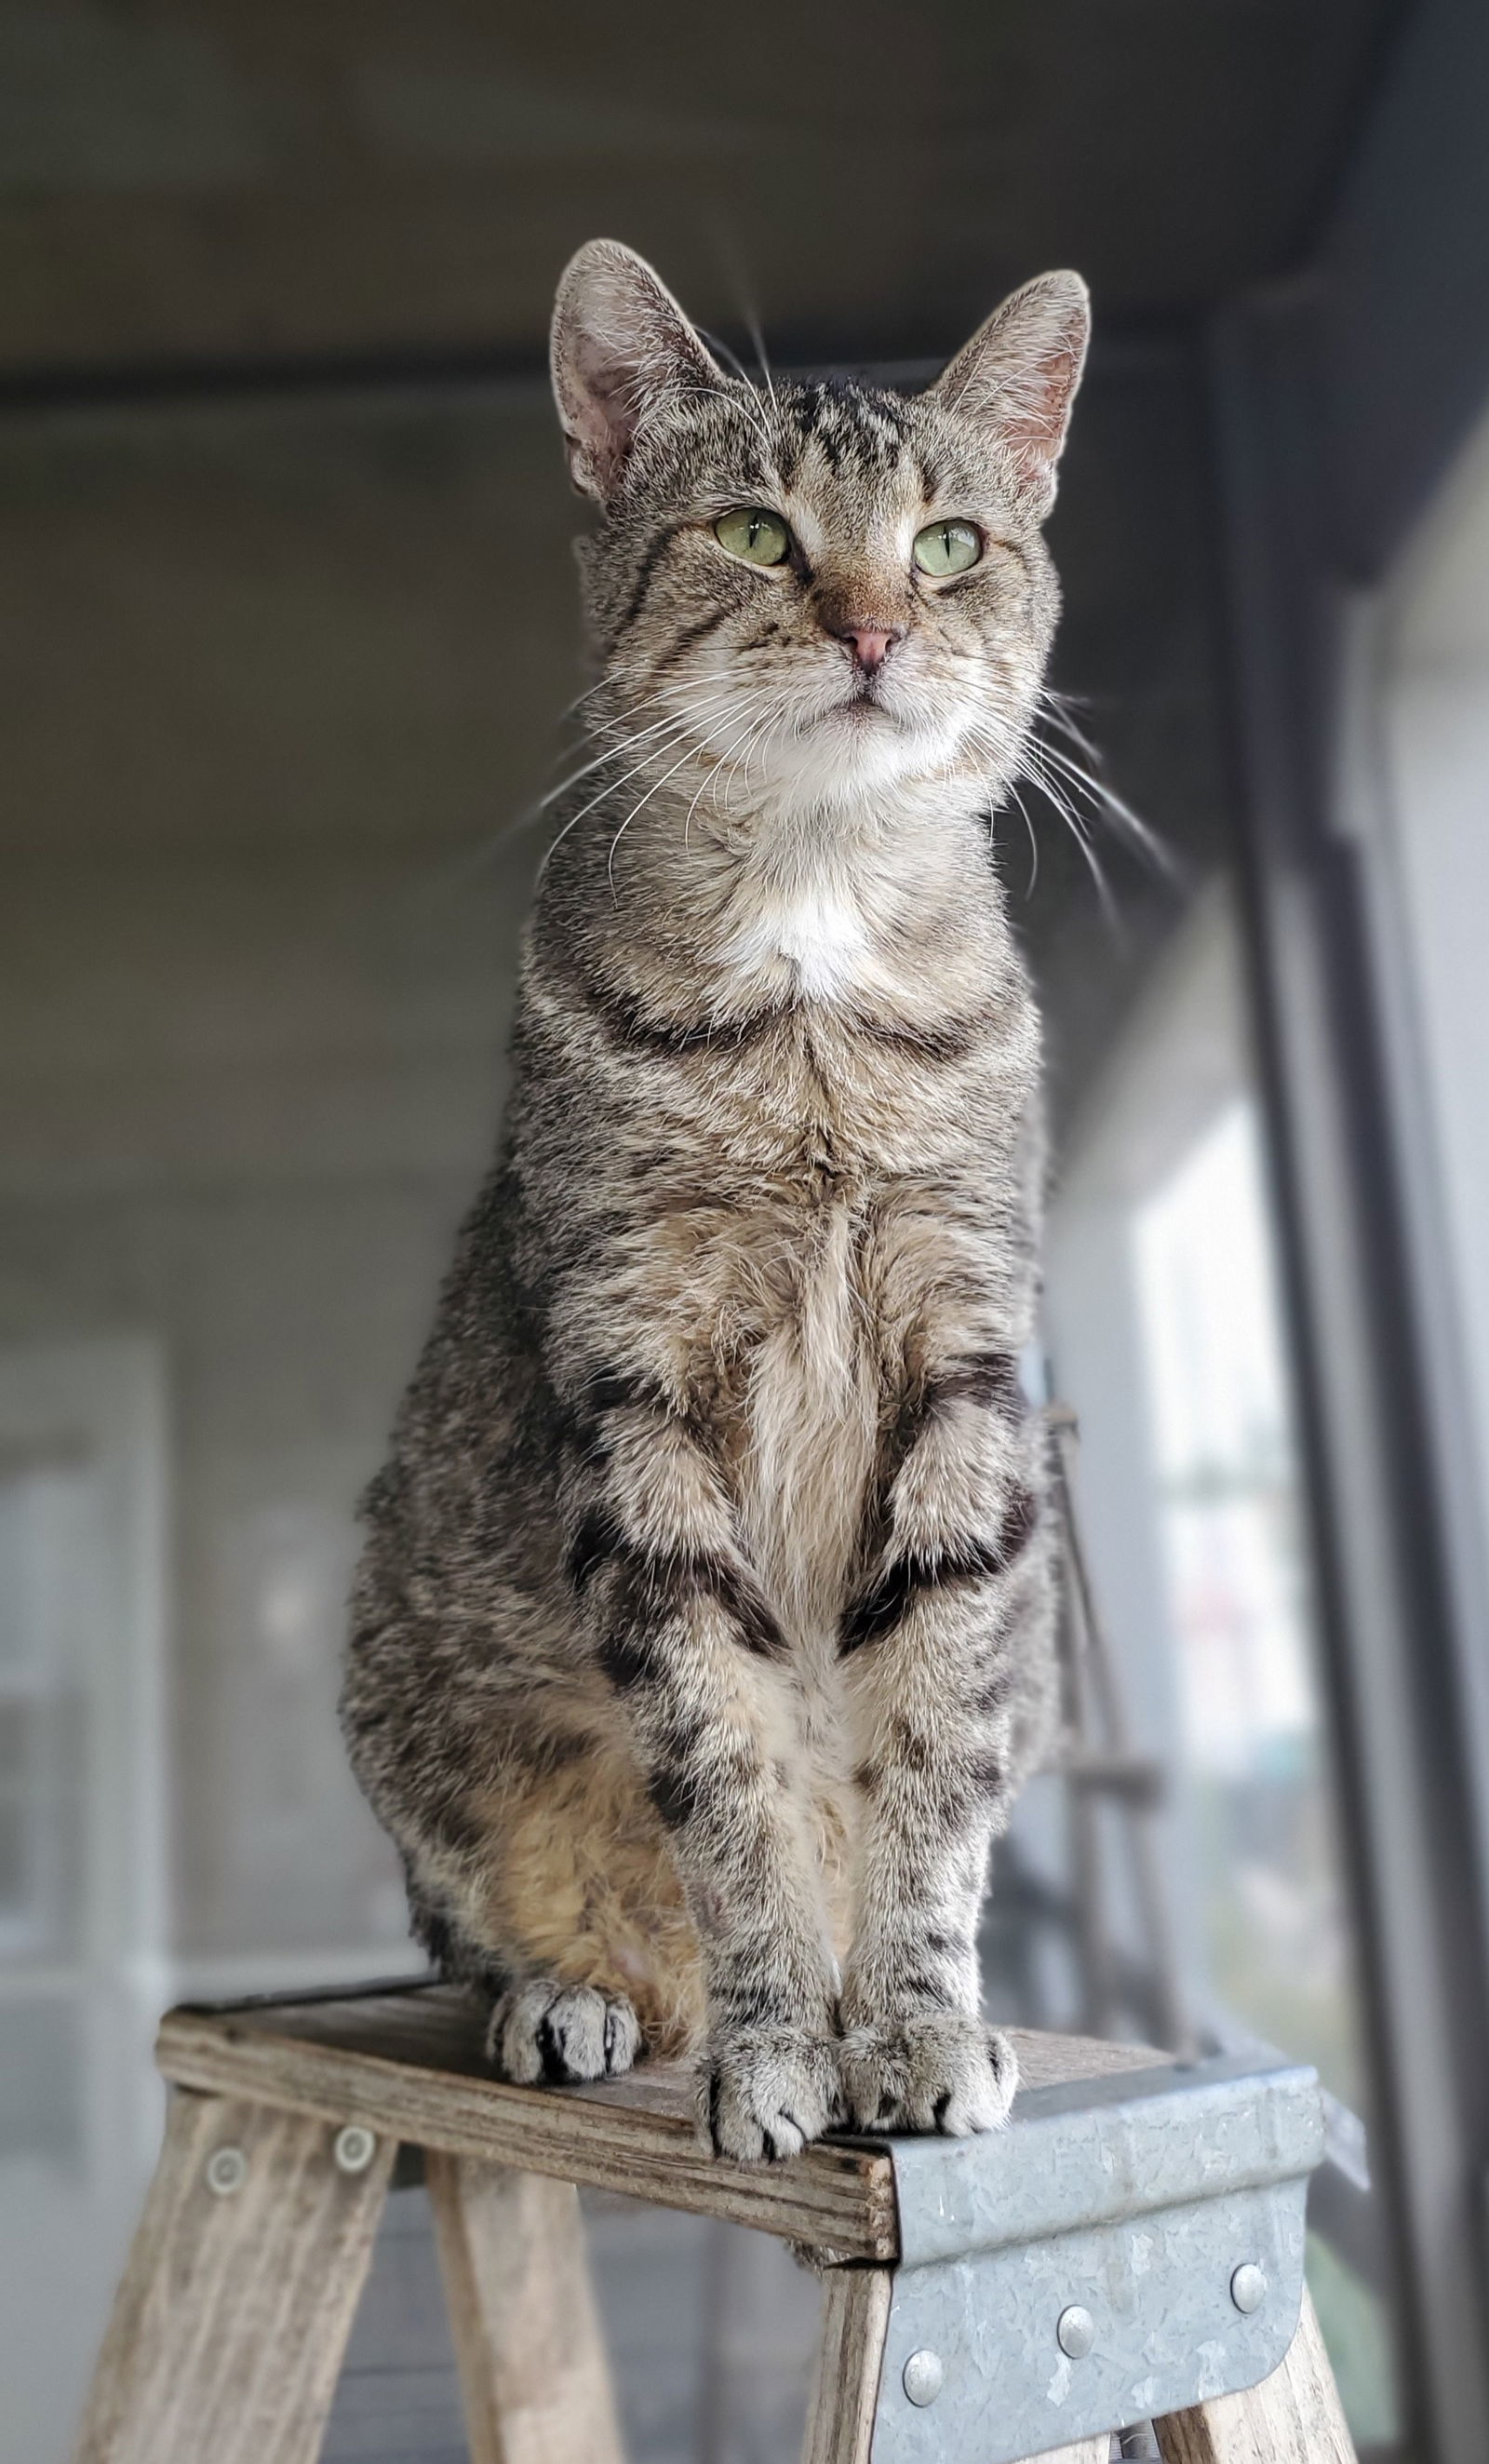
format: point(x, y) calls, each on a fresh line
point(1035, 408)
point(602, 402)
point(1019, 374)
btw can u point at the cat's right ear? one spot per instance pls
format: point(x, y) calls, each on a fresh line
point(622, 351)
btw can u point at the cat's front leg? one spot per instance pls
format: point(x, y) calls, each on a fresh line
point(707, 1724)
point(697, 1671)
point(948, 1667)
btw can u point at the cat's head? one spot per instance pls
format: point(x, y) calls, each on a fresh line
point(814, 592)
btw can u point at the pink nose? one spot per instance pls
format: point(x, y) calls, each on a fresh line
point(871, 644)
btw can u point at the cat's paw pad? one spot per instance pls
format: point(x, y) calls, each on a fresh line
point(944, 2070)
point(561, 2033)
point(764, 2093)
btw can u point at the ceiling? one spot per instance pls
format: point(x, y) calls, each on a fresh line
point(222, 181)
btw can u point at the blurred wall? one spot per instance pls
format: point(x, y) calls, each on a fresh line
point(272, 683)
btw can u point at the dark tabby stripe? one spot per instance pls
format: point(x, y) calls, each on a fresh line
point(950, 1043)
point(625, 1025)
point(966, 1561)
point(919, 1990)
point(759, 1630)
point(650, 563)
point(750, 2002)
point(985, 1775)
point(944, 1945)
point(618, 1390)
point(627, 1659)
point(678, 1793)
point(653, 1588)
point(982, 1377)
point(688, 1785)
point(598, 1539)
point(692, 634)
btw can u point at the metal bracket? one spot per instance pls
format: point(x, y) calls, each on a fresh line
point(1129, 2246)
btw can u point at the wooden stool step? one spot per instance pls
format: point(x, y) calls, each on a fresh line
point(1130, 2247)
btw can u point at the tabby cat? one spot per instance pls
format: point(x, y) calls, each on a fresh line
point(702, 1634)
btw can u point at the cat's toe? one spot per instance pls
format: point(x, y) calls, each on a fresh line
point(944, 2070)
point(561, 2033)
point(764, 2093)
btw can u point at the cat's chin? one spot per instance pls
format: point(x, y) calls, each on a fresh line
point(853, 751)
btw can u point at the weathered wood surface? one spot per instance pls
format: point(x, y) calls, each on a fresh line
point(1293, 2417)
point(228, 2326)
point(409, 2063)
point(533, 2368)
point(840, 2418)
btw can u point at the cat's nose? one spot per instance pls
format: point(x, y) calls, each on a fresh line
point(870, 644)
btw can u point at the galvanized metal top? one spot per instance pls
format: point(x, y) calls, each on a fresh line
point(1097, 2151)
point(1131, 2244)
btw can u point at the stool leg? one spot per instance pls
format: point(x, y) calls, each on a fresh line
point(532, 2362)
point(227, 2330)
point(840, 2421)
point(1293, 2417)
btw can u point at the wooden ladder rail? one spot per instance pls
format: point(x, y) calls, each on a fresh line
point(230, 2325)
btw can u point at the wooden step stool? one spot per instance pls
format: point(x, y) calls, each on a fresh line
point(1130, 2249)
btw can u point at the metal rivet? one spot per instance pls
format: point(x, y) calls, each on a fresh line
point(355, 2147)
point(1075, 2332)
point(924, 2376)
point(1248, 2288)
point(227, 2172)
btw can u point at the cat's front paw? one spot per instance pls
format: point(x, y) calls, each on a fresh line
point(943, 2070)
point(561, 2033)
point(765, 2092)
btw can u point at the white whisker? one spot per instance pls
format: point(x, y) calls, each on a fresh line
point(677, 727)
point(713, 780)
point(1143, 836)
point(634, 810)
point(757, 338)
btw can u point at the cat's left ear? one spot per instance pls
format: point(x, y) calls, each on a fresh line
point(1019, 375)
point(621, 352)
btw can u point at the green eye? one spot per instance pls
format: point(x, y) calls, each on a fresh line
point(751, 532)
point(948, 547)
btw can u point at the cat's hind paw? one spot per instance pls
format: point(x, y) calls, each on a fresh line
point(944, 2070)
point(764, 2093)
point(561, 2033)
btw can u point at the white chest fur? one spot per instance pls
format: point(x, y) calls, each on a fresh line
point(819, 933)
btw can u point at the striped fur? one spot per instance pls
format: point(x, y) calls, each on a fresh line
point(702, 1632)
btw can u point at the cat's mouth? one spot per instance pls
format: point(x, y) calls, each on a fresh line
point(864, 704)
